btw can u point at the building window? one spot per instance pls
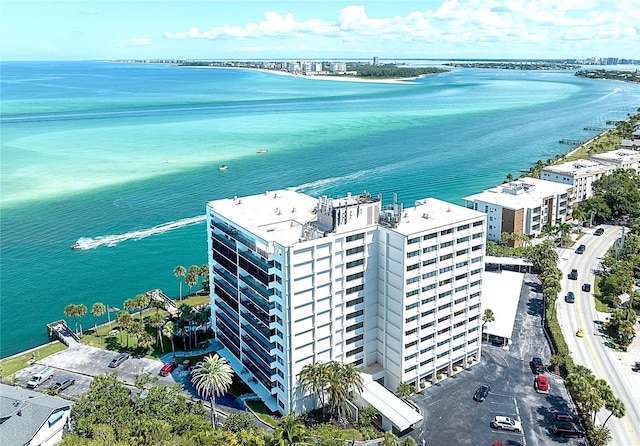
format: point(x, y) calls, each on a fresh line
point(475, 271)
point(413, 254)
point(356, 250)
point(410, 357)
point(446, 232)
point(355, 339)
point(355, 351)
point(355, 276)
point(427, 313)
point(356, 326)
point(429, 274)
point(428, 287)
point(411, 293)
point(412, 306)
point(446, 244)
point(355, 263)
point(413, 280)
point(441, 343)
point(477, 223)
point(476, 248)
point(461, 264)
point(476, 260)
point(426, 338)
point(445, 282)
point(462, 252)
point(444, 307)
point(444, 330)
point(355, 289)
point(446, 257)
point(463, 227)
point(446, 269)
point(428, 300)
point(462, 239)
point(478, 235)
point(461, 276)
point(411, 241)
point(353, 302)
point(410, 369)
point(429, 262)
point(429, 249)
point(354, 237)
point(430, 236)
point(411, 319)
point(410, 332)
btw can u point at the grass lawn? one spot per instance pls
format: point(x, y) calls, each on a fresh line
point(261, 412)
point(12, 365)
point(600, 305)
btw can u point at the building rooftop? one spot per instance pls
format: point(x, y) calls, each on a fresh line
point(279, 215)
point(501, 294)
point(23, 412)
point(431, 213)
point(520, 194)
point(576, 168)
point(618, 155)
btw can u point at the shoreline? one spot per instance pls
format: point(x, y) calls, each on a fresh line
point(320, 77)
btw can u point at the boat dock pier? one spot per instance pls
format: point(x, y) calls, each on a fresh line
point(571, 141)
point(59, 330)
point(169, 304)
point(597, 129)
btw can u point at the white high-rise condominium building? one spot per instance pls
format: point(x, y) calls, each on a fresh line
point(297, 280)
point(579, 174)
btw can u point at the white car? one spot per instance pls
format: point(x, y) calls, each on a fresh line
point(507, 424)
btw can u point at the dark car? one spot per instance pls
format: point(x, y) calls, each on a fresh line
point(168, 368)
point(118, 359)
point(586, 287)
point(570, 297)
point(573, 275)
point(63, 383)
point(599, 232)
point(581, 249)
point(566, 416)
point(568, 429)
point(481, 393)
point(538, 365)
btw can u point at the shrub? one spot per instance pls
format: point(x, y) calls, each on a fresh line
point(238, 422)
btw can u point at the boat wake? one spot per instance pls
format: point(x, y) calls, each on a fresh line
point(85, 243)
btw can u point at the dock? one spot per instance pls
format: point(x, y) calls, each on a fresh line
point(598, 129)
point(61, 331)
point(571, 141)
point(169, 304)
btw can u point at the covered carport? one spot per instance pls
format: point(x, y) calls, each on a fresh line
point(394, 412)
point(517, 264)
point(500, 294)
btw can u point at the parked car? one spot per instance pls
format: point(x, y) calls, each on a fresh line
point(586, 287)
point(63, 383)
point(541, 384)
point(481, 393)
point(581, 249)
point(573, 275)
point(168, 368)
point(538, 365)
point(566, 416)
point(506, 423)
point(599, 232)
point(570, 297)
point(118, 359)
point(42, 375)
point(568, 429)
point(507, 443)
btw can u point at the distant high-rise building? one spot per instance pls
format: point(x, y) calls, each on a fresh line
point(376, 61)
point(297, 280)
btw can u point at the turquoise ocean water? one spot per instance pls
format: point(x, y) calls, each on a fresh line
point(124, 157)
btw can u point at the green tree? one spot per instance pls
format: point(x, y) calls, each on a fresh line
point(72, 311)
point(156, 321)
point(124, 320)
point(98, 309)
point(579, 214)
point(616, 408)
point(409, 441)
point(366, 416)
point(405, 390)
point(168, 331)
point(487, 317)
point(142, 302)
point(390, 439)
point(179, 272)
point(344, 379)
point(315, 377)
point(620, 192)
point(563, 229)
point(238, 422)
point(290, 431)
point(193, 275)
point(130, 305)
point(212, 378)
point(600, 436)
point(157, 305)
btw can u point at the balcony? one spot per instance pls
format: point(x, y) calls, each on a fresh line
point(224, 313)
point(256, 286)
point(230, 278)
point(257, 261)
point(251, 298)
point(260, 326)
point(258, 373)
point(257, 348)
point(259, 338)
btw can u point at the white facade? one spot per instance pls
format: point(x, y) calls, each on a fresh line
point(338, 67)
point(297, 280)
point(579, 174)
point(620, 158)
point(523, 206)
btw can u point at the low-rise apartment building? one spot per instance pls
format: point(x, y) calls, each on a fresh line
point(579, 174)
point(523, 206)
point(620, 158)
point(298, 280)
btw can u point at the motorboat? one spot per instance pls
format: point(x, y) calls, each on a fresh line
point(262, 151)
point(223, 167)
point(75, 246)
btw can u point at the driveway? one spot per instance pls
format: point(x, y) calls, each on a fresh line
point(452, 417)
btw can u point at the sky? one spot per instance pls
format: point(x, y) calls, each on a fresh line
point(318, 30)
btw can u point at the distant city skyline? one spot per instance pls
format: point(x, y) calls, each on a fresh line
point(331, 29)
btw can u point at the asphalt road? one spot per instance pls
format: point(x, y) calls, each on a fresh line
point(593, 351)
point(452, 417)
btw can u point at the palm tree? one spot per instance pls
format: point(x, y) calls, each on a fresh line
point(193, 275)
point(130, 305)
point(168, 332)
point(390, 439)
point(563, 229)
point(314, 377)
point(405, 390)
point(124, 321)
point(157, 304)
point(548, 231)
point(212, 378)
point(487, 317)
point(179, 272)
point(81, 310)
point(344, 379)
point(97, 310)
point(142, 301)
point(157, 321)
point(616, 406)
point(204, 273)
point(71, 311)
point(579, 214)
point(600, 436)
point(136, 328)
point(509, 177)
point(290, 431)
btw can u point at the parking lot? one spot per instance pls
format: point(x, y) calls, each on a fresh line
point(83, 362)
point(451, 416)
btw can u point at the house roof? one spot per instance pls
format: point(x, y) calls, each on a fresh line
point(23, 412)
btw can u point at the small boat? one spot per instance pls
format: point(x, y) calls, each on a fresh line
point(75, 246)
point(262, 151)
point(223, 167)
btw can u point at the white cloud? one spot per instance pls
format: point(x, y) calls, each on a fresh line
point(516, 22)
point(139, 41)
